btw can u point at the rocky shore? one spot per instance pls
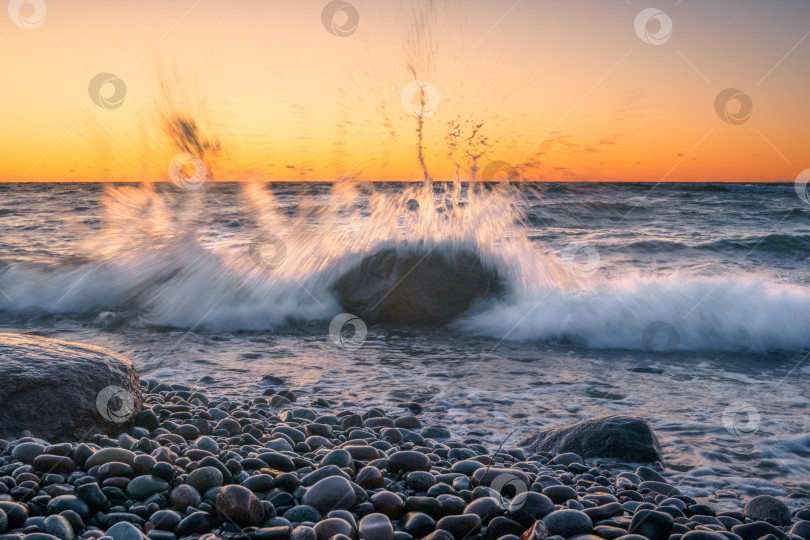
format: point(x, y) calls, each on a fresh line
point(274, 468)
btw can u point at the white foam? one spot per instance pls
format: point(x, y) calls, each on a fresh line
point(728, 313)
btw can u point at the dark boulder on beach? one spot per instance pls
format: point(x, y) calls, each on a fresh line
point(62, 390)
point(624, 437)
point(416, 285)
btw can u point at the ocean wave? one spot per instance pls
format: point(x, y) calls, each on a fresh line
point(657, 314)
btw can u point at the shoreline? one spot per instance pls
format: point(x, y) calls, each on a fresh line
point(273, 467)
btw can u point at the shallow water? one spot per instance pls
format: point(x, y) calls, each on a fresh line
point(697, 305)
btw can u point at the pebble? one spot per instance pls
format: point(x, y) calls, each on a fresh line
point(652, 524)
point(376, 527)
point(332, 493)
point(764, 506)
point(568, 523)
point(205, 478)
point(461, 526)
point(125, 531)
point(408, 461)
point(240, 505)
point(143, 487)
point(59, 527)
point(330, 527)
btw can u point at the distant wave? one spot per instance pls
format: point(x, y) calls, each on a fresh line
point(774, 243)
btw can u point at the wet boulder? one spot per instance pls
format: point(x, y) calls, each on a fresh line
point(62, 390)
point(416, 285)
point(623, 437)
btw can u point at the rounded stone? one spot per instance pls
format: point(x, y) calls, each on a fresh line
point(332, 493)
point(341, 458)
point(528, 507)
point(333, 526)
point(106, 455)
point(240, 505)
point(304, 532)
point(165, 520)
point(417, 524)
point(369, 477)
point(420, 481)
point(125, 531)
point(59, 527)
point(205, 478)
point(408, 461)
point(143, 487)
point(301, 513)
point(54, 464)
point(568, 523)
point(560, 494)
point(652, 524)
point(462, 526)
point(16, 513)
point(184, 496)
point(485, 508)
point(764, 506)
point(68, 502)
point(376, 527)
point(388, 503)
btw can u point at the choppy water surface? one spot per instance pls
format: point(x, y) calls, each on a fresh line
point(676, 302)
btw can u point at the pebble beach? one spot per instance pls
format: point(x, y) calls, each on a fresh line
point(274, 467)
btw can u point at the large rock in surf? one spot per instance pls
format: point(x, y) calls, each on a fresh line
point(62, 390)
point(623, 437)
point(416, 285)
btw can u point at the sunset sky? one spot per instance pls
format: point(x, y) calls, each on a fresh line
point(566, 90)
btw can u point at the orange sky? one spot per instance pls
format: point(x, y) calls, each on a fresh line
point(565, 90)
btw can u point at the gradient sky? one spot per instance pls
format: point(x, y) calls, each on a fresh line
point(566, 90)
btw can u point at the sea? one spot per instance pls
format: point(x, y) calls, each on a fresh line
point(685, 304)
